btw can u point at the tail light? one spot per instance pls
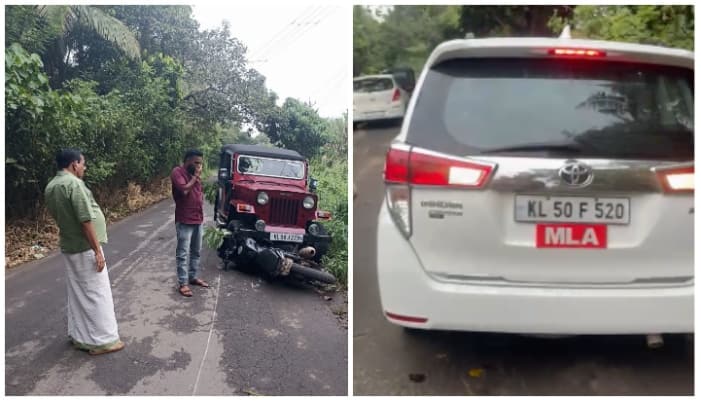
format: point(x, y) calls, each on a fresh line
point(677, 180)
point(397, 95)
point(587, 53)
point(245, 208)
point(405, 167)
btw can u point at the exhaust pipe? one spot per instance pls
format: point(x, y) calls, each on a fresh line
point(654, 341)
point(307, 252)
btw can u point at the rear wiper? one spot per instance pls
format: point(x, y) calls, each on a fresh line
point(536, 147)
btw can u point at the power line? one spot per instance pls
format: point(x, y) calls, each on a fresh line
point(286, 30)
point(323, 86)
point(307, 11)
point(293, 34)
point(303, 29)
point(329, 90)
point(323, 100)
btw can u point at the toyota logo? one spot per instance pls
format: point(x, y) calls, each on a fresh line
point(576, 174)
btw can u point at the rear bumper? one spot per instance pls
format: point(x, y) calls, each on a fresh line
point(390, 113)
point(408, 291)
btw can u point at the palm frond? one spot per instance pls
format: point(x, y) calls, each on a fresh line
point(110, 29)
point(60, 18)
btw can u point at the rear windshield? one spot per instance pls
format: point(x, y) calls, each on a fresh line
point(595, 109)
point(372, 85)
point(270, 167)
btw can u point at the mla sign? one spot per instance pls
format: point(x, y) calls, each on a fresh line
point(571, 236)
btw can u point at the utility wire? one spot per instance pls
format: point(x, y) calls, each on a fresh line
point(286, 30)
point(303, 29)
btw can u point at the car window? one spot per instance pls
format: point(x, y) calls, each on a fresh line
point(372, 85)
point(604, 109)
point(270, 167)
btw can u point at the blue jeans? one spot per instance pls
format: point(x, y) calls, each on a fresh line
point(189, 238)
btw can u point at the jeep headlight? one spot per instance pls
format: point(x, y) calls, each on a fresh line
point(308, 202)
point(262, 198)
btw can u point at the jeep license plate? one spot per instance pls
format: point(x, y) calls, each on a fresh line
point(287, 237)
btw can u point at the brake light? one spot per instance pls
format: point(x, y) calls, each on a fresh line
point(397, 165)
point(323, 215)
point(245, 208)
point(422, 167)
point(576, 52)
point(396, 95)
point(428, 169)
point(405, 167)
point(677, 180)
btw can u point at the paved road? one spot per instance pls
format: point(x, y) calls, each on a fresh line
point(242, 336)
point(385, 356)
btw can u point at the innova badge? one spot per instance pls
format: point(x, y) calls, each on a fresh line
point(576, 174)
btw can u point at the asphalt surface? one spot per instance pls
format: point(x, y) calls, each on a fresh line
point(242, 336)
point(389, 361)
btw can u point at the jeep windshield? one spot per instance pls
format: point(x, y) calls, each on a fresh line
point(557, 108)
point(269, 167)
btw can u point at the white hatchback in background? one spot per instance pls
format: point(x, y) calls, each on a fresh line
point(378, 97)
point(543, 186)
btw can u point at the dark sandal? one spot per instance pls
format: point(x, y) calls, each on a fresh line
point(185, 290)
point(199, 282)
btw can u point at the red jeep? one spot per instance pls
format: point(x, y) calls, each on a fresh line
point(267, 203)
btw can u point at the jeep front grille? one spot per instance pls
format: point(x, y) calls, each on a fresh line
point(284, 211)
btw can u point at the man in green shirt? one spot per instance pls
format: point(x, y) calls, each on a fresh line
point(92, 324)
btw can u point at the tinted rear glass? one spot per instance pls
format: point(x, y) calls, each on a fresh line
point(600, 109)
point(372, 85)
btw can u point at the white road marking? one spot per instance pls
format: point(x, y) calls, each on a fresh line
point(209, 338)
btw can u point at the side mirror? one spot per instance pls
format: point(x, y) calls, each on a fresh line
point(313, 184)
point(223, 174)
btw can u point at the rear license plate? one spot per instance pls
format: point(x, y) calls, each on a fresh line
point(287, 237)
point(571, 236)
point(571, 209)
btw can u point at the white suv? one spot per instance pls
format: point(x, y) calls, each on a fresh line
point(543, 186)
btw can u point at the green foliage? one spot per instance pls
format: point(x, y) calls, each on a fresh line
point(25, 83)
point(331, 170)
point(69, 84)
point(666, 25)
point(29, 108)
point(366, 44)
point(24, 26)
point(214, 237)
point(297, 126)
point(132, 133)
point(486, 21)
point(210, 191)
point(108, 27)
point(405, 35)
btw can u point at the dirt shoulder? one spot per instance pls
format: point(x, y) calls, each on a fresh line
point(32, 239)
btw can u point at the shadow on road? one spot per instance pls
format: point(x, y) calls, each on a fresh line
point(461, 363)
point(379, 124)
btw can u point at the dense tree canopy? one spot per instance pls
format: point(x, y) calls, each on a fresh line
point(132, 86)
point(405, 35)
